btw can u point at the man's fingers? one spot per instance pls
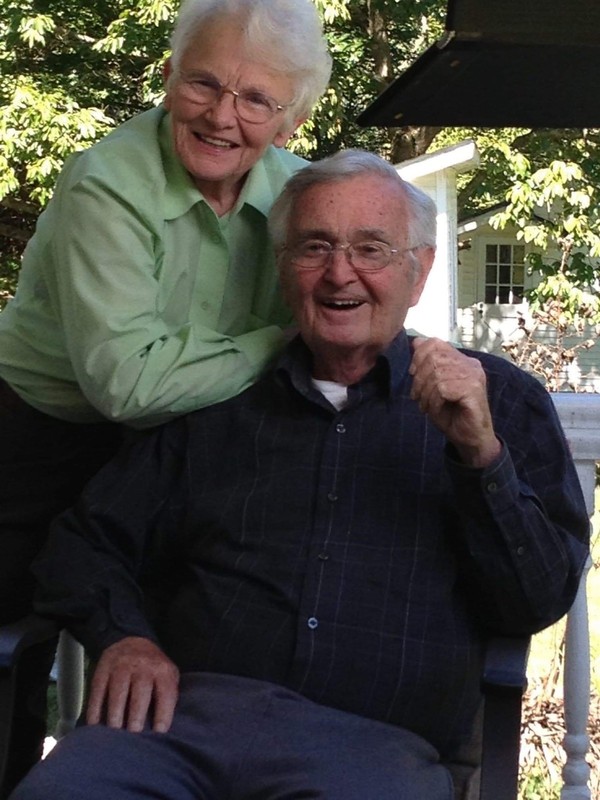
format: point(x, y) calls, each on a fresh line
point(159, 692)
point(165, 700)
point(140, 697)
point(95, 706)
point(133, 678)
point(116, 702)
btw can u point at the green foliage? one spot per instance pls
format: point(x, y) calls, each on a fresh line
point(556, 209)
point(30, 162)
point(69, 72)
point(536, 786)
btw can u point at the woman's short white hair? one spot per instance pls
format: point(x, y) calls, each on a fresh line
point(284, 35)
point(422, 222)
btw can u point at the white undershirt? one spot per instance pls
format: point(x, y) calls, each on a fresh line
point(336, 393)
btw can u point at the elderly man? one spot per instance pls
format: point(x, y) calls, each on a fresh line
point(287, 593)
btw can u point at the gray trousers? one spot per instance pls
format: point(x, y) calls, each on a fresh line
point(241, 739)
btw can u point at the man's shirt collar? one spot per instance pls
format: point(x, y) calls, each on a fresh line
point(386, 376)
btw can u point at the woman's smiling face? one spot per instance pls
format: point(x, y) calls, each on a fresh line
point(215, 146)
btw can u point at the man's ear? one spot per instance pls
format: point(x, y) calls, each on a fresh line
point(285, 133)
point(425, 256)
point(167, 71)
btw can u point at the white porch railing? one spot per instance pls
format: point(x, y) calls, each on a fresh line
point(580, 418)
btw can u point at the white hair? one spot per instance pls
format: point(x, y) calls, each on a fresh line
point(347, 164)
point(284, 35)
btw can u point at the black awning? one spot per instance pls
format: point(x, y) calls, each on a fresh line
point(502, 68)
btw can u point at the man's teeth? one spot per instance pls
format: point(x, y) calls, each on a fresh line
point(343, 303)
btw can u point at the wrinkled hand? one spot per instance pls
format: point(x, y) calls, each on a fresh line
point(450, 388)
point(133, 676)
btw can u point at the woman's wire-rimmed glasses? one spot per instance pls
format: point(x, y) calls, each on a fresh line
point(251, 105)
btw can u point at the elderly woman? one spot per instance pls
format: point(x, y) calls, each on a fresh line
point(149, 288)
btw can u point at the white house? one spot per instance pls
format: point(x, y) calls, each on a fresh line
point(474, 295)
point(435, 173)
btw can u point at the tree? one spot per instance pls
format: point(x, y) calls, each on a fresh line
point(556, 209)
point(68, 74)
point(71, 72)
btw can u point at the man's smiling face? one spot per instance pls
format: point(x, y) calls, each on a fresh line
point(213, 143)
point(344, 314)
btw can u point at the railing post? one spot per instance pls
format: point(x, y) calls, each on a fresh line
point(580, 417)
point(70, 680)
point(576, 771)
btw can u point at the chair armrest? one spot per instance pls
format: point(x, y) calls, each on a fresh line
point(505, 668)
point(19, 636)
point(503, 683)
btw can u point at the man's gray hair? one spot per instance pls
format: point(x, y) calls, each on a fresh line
point(346, 164)
point(284, 35)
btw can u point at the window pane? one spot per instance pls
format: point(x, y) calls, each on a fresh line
point(490, 274)
point(504, 273)
point(517, 294)
point(519, 253)
point(505, 254)
point(519, 273)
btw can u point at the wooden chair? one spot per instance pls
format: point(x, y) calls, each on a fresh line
point(488, 768)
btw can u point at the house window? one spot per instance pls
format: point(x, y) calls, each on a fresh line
point(504, 273)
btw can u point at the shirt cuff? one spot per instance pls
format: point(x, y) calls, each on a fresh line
point(261, 346)
point(494, 488)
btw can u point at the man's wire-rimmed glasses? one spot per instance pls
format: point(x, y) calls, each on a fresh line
point(251, 105)
point(365, 256)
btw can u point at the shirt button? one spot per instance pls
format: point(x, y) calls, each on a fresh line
point(520, 550)
point(492, 487)
point(323, 557)
point(340, 427)
point(313, 623)
point(332, 496)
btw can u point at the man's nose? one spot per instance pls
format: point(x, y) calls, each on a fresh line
point(339, 270)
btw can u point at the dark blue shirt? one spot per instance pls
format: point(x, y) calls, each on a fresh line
point(347, 555)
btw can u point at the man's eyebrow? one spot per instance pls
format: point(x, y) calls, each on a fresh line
point(199, 75)
point(373, 233)
point(313, 233)
point(360, 234)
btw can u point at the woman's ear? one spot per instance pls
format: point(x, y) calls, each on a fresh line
point(285, 133)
